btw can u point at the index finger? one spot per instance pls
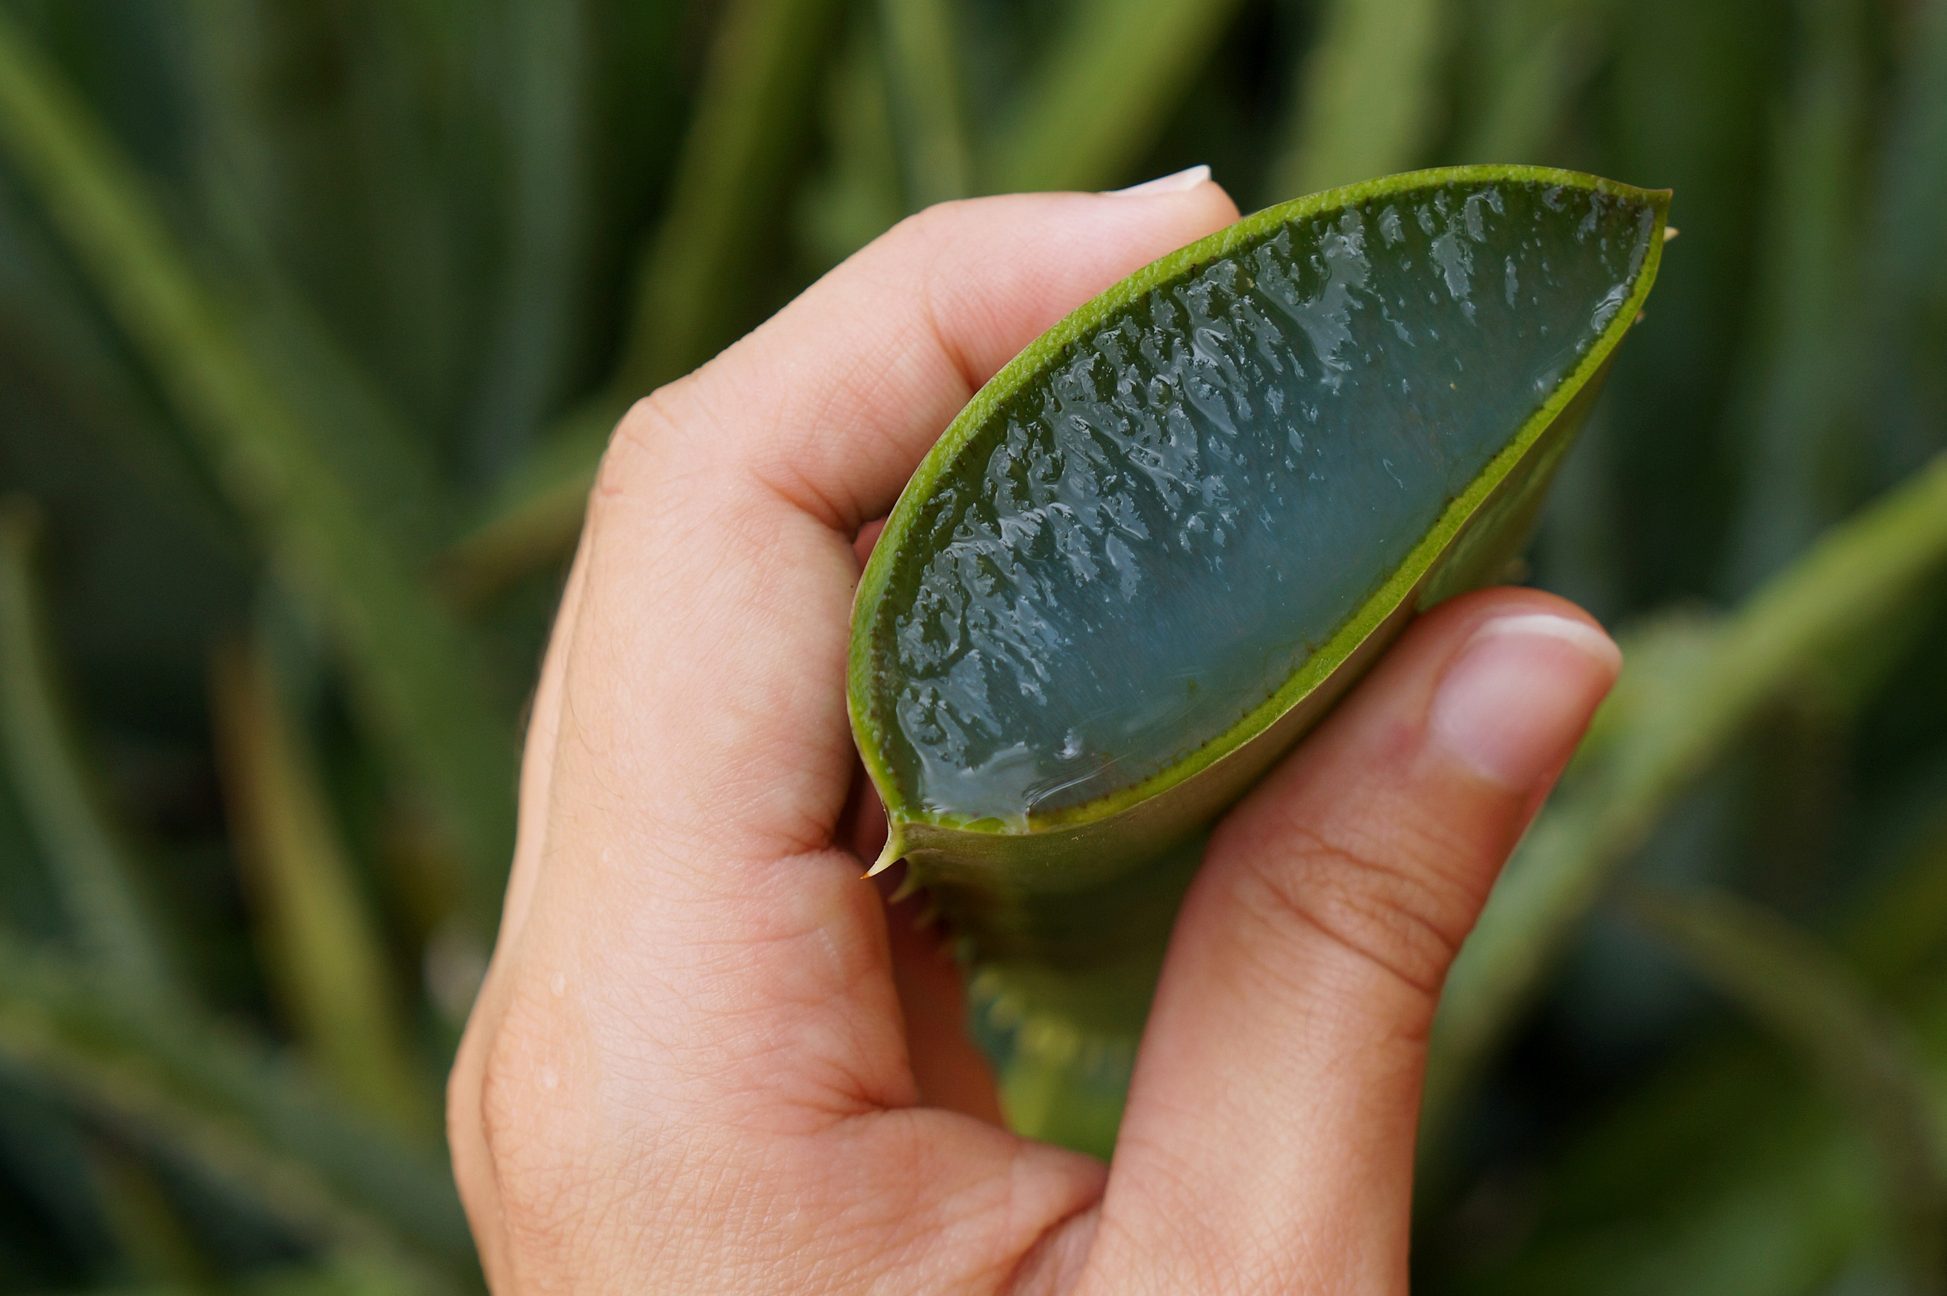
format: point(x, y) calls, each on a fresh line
point(703, 756)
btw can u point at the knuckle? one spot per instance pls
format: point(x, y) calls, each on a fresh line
point(670, 443)
point(1386, 903)
point(643, 443)
point(465, 1136)
point(540, 1177)
point(931, 222)
point(922, 238)
point(553, 1183)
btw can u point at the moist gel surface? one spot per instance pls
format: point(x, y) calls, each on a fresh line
point(1154, 531)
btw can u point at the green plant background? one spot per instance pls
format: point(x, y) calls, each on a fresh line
point(313, 316)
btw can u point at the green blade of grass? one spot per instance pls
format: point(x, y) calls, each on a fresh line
point(415, 672)
point(1093, 107)
point(1671, 724)
point(1367, 94)
point(317, 937)
point(106, 890)
point(185, 1085)
point(751, 112)
point(1795, 989)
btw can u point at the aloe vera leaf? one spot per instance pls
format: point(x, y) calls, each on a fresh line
point(47, 328)
point(921, 47)
point(1778, 1221)
point(1906, 278)
point(1805, 462)
point(1527, 59)
point(1683, 710)
point(1687, 89)
point(760, 73)
point(1792, 986)
point(107, 891)
point(416, 672)
point(1771, 1200)
point(1162, 540)
point(294, 109)
point(51, 1194)
point(317, 936)
point(360, 1277)
point(763, 64)
point(264, 168)
point(1723, 1106)
point(149, 1228)
point(1367, 93)
point(407, 68)
point(1902, 920)
point(759, 76)
point(533, 336)
point(184, 1084)
point(383, 460)
point(1093, 106)
point(533, 518)
point(1913, 184)
point(862, 188)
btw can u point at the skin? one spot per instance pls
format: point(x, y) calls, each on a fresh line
point(708, 1057)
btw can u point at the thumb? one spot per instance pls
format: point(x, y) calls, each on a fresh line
point(1268, 1143)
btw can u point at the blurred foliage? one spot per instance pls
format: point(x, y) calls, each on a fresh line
point(314, 315)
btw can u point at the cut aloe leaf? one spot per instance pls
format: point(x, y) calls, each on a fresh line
point(1168, 535)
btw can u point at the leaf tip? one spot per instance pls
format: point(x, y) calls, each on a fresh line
point(895, 848)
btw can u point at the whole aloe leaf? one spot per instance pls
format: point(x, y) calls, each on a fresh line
point(1157, 546)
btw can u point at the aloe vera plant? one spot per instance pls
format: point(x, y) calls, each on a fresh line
point(1157, 546)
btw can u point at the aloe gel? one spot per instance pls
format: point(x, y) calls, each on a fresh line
point(1157, 545)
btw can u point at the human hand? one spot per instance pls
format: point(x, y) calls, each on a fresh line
point(703, 1060)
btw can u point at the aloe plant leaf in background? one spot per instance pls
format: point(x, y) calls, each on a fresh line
point(1789, 983)
point(422, 227)
point(417, 673)
point(1688, 692)
point(107, 888)
point(193, 1087)
point(1156, 547)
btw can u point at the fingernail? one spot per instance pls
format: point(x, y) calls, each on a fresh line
point(1179, 182)
point(1518, 695)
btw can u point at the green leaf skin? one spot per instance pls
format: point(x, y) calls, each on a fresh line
point(1157, 547)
